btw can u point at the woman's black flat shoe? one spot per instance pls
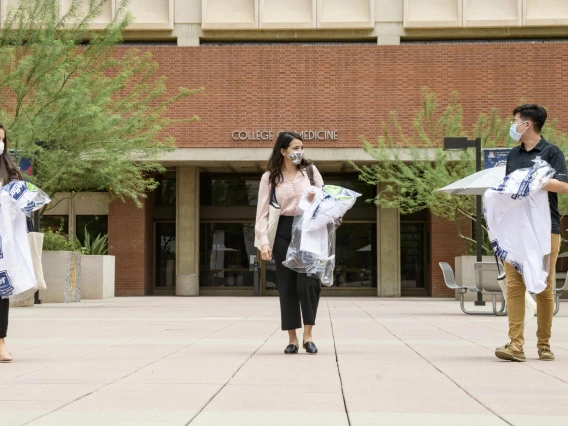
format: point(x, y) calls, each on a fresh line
point(291, 349)
point(310, 348)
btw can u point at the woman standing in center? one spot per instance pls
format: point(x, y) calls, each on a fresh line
point(299, 294)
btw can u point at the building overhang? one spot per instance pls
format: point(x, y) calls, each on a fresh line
point(253, 160)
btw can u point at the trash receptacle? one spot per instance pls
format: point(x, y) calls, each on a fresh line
point(187, 285)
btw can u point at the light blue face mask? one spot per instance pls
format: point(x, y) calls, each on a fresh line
point(516, 136)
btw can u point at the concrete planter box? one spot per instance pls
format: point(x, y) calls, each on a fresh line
point(97, 277)
point(62, 273)
point(25, 303)
point(465, 274)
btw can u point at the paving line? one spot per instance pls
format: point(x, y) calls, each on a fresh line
point(522, 364)
point(337, 364)
point(231, 378)
point(429, 362)
point(124, 377)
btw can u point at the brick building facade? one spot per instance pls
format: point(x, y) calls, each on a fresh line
point(349, 89)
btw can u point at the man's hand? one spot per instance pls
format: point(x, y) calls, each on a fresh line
point(555, 185)
point(311, 196)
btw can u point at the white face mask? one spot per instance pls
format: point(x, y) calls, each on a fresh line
point(296, 157)
point(516, 136)
point(1, 147)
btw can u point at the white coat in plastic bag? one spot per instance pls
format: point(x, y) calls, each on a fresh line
point(17, 276)
point(518, 220)
point(312, 248)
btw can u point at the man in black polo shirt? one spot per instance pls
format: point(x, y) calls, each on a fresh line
point(525, 128)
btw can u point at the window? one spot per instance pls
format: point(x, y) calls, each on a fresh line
point(165, 255)
point(166, 191)
point(95, 225)
point(229, 190)
point(55, 222)
point(225, 254)
point(356, 255)
point(412, 255)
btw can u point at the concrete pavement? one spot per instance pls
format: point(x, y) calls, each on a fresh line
point(212, 361)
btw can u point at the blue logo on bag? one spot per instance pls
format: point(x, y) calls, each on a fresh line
point(517, 267)
point(29, 207)
point(525, 186)
point(6, 288)
point(16, 189)
point(501, 187)
point(499, 252)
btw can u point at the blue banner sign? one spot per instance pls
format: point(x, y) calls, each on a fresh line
point(495, 157)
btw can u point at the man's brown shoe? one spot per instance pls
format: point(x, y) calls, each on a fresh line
point(510, 353)
point(545, 354)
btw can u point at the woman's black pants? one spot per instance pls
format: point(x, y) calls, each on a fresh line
point(4, 306)
point(295, 290)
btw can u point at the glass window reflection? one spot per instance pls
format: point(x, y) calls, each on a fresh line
point(225, 254)
point(165, 255)
point(412, 253)
point(356, 255)
point(229, 190)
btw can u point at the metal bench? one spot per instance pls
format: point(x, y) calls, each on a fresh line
point(486, 274)
point(558, 293)
point(483, 284)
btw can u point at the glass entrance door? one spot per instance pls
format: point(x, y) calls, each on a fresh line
point(268, 277)
point(165, 258)
point(227, 255)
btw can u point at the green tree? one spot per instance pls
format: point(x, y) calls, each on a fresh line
point(90, 117)
point(411, 166)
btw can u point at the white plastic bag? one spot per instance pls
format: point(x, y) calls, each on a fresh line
point(17, 275)
point(312, 248)
point(517, 213)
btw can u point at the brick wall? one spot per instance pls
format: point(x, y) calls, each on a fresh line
point(351, 88)
point(445, 245)
point(128, 242)
point(348, 88)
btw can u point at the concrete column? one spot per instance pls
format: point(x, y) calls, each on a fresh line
point(388, 33)
point(388, 253)
point(187, 34)
point(187, 231)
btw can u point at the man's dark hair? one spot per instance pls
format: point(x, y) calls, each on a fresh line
point(534, 113)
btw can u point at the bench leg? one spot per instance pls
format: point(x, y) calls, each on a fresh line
point(465, 311)
point(501, 312)
point(556, 304)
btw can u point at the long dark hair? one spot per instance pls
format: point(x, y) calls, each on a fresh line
point(276, 160)
point(8, 169)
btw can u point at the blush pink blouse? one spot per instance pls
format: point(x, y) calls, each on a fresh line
point(288, 196)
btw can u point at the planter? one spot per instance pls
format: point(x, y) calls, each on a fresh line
point(62, 272)
point(465, 274)
point(97, 277)
point(26, 303)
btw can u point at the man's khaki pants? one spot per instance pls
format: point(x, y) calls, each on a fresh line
point(545, 302)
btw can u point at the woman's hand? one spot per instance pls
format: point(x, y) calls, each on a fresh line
point(266, 252)
point(311, 197)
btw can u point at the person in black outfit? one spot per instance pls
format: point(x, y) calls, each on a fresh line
point(526, 127)
point(8, 172)
point(289, 174)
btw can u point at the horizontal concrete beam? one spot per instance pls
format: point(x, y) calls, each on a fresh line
point(204, 155)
